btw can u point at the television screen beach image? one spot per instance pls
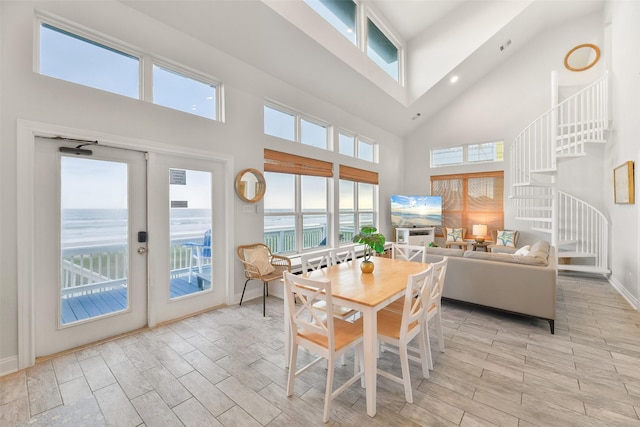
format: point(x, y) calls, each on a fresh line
point(416, 211)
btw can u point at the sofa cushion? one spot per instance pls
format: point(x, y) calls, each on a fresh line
point(505, 238)
point(510, 258)
point(523, 251)
point(445, 251)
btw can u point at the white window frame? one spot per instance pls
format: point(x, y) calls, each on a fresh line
point(356, 208)
point(389, 34)
point(465, 154)
point(299, 215)
point(297, 132)
point(93, 36)
point(145, 62)
point(191, 74)
point(357, 139)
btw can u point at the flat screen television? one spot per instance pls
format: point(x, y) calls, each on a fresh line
point(416, 211)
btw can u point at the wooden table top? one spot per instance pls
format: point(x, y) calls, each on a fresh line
point(389, 277)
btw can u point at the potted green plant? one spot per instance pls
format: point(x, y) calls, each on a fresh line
point(373, 242)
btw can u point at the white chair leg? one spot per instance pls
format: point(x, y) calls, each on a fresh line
point(427, 340)
point(439, 330)
point(329, 390)
point(293, 358)
point(406, 378)
point(424, 359)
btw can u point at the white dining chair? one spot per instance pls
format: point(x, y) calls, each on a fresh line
point(343, 254)
point(326, 336)
point(434, 306)
point(315, 261)
point(399, 329)
point(409, 252)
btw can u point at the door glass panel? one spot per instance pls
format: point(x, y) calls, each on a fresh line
point(93, 238)
point(190, 231)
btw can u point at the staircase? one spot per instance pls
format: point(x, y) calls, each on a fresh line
point(577, 229)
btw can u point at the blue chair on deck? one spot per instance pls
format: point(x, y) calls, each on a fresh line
point(200, 253)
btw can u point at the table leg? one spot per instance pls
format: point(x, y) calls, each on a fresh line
point(369, 340)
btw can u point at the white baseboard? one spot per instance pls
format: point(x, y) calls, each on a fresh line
point(8, 365)
point(624, 292)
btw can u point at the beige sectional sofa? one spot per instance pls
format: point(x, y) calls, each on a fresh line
point(513, 283)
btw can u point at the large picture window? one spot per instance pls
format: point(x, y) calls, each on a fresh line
point(296, 204)
point(357, 201)
point(469, 199)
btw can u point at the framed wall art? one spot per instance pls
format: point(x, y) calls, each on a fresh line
point(623, 183)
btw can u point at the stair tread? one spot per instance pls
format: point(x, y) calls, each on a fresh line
point(584, 268)
point(574, 254)
point(525, 218)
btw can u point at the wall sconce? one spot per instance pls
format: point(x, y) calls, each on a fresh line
point(479, 231)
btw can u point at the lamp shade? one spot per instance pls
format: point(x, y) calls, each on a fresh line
point(479, 230)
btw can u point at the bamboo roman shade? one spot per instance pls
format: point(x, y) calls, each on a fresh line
point(276, 161)
point(358, 175)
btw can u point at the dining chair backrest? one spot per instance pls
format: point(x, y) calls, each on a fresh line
point(414, 309)
point(343, 254)
point(316, 260)
point(306, 321)
point(439, 272)
point(409, 252)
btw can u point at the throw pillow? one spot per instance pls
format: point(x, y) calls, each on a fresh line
point(523, 250)
point(260, 258)
point(455, 234)
point(505, 238)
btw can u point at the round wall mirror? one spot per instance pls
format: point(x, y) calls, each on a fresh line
point(250, 185)
point(582, 57)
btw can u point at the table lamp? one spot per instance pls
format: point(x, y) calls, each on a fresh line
point(479, 230)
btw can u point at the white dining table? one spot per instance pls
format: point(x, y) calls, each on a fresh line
point(367, 293)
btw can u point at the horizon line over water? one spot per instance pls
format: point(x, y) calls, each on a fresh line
point(109, 226)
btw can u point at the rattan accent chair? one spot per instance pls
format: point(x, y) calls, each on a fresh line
point(260, 264)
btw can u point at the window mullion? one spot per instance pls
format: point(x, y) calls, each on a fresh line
point(146, 78)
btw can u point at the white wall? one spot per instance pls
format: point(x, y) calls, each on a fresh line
point(500, 105)
point(623, 33)
point(29, 96)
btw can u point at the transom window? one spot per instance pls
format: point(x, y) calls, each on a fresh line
point(76, 59)
point(381, 50)
point(295, 127)
point(357, 23)
point(90, 61)
point(341, 14)
point(353, 146)
point(471, 153)
point(176, 90)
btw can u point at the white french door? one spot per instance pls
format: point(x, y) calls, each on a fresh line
point(187, 271)
point(90, 276)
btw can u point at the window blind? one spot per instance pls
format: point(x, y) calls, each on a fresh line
point(276, 161)
point(358, 175)
point(468, 199)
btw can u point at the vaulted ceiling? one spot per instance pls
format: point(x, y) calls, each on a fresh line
point(284, 38)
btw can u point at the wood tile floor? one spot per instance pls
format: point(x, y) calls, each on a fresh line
point(225, 368)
